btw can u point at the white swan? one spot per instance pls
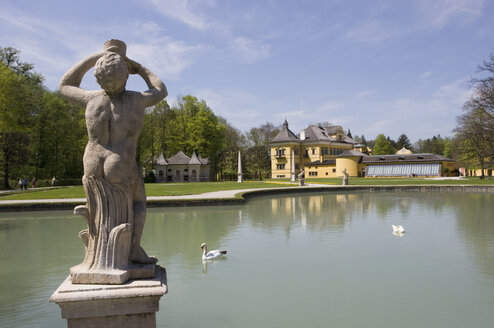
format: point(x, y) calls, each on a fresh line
point(398, 228)
point(214, 254)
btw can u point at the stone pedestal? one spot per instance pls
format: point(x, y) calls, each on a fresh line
point(133, 304)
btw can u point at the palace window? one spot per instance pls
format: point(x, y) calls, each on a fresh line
point(324, 150)
point(313, 151)
point(313, 174)
point(280, 166)
point(280, 152)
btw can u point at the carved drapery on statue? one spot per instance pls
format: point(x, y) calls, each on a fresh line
point(108, 238)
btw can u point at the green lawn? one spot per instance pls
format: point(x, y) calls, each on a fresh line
point(152, 189)
point(400, 181)
point(190, 188)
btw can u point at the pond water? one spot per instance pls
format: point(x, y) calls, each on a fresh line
point(314, 260)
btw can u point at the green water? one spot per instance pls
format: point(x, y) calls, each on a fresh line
point(313, 260)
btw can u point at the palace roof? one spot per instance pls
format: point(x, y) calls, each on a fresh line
point(405, 158)
point(285, 135)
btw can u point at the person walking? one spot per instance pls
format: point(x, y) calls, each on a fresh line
point(21, 185)
point(53, 181)
point(24, 182)
point(33, 182)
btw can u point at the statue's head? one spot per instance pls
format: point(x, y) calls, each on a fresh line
point(111, 72)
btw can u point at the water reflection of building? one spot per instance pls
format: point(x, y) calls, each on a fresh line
point(317, 211)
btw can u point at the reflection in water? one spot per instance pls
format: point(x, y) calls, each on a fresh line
point(475, 224)
point(441, 274)
point(206, 263)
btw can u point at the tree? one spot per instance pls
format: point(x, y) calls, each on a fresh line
point(10, 57)
point(58, 138)
point(403, 141)
point(190, 126)
point(258, 160)
point(474, 140)
point(383, 146)
point(18, 102)
point(235, 141)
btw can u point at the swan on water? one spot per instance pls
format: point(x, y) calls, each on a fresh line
point(214, 254)
point(398, 229)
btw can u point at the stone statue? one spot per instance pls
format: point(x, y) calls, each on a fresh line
point(301, 178)
point(345, 177)
point(114, 188)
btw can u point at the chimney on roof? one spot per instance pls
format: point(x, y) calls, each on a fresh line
point(302, 135)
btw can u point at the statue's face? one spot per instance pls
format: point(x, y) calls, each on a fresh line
point(111, 72)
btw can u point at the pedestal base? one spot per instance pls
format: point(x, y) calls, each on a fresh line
point(80, 275)
point(133, 304)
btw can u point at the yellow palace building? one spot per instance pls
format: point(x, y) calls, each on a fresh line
point(326, 152)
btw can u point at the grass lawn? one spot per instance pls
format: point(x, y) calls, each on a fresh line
point(191, 188)
point(399, 181)
point(152, 189)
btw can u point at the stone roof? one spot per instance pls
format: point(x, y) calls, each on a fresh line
point(352, 153)
point(285, 135)
point(318, 162)
point(405, 158)
point(320, 133)
point(204, 161)
point(179, 158)
point(194, 159)
point(161, 160)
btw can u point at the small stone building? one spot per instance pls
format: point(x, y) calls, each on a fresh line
point(182, 168)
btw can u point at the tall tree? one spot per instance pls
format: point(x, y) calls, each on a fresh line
point(18, 104)
point(474, 140)
point(403, 141)
point(258, 161)
point(189, 126)
point(383, 146)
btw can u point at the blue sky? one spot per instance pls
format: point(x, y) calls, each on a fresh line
point(374, 67)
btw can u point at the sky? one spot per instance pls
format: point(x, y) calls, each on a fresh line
point(390, 66)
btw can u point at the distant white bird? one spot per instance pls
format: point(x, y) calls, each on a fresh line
point(214, 254)
point(398, 229)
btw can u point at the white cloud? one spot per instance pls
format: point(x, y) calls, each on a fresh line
point(438, 13)
point(167, 58)
point(249, 50)
point(329, 107)
point(184, 11)
point(371, 32)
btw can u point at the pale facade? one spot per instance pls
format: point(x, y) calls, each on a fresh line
point(182, 168)
point(315, 150)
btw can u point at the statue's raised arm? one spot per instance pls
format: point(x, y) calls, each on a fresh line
point(71, 81)
point(157, 90)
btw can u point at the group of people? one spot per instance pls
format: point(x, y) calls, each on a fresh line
point(23, 183)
